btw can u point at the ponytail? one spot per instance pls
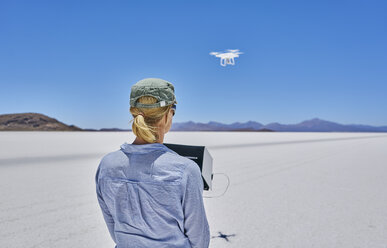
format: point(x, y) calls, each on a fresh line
point(145, 120)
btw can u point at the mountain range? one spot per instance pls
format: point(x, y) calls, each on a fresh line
point(312, 125)
point(40, 122)
point(33, 122)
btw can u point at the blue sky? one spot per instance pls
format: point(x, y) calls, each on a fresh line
point(77, 60)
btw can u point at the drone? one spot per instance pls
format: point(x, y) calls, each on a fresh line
point(227, 58)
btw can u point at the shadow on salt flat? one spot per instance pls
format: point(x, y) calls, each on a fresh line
point(224, 236)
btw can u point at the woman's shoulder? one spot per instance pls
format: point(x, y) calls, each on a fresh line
point(184, 160)
point(183, 164)
point(171, 159)
point(113, 155)
point(113, 158)
point(173, 156)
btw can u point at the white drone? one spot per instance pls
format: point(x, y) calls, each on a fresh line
point(227, 58)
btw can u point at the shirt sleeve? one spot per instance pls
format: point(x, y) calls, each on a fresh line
point(196, 226)
point(105, 211)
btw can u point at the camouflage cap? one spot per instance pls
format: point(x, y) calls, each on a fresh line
point(162, 90)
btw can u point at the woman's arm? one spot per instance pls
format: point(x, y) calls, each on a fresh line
point(196, 226)
point(105, 211)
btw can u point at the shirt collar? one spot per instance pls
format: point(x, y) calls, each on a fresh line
point(144, 148)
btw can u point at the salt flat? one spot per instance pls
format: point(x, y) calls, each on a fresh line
point(287, 189)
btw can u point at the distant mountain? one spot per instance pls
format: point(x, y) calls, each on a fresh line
point(318, 125)
point(313, 125)
point(217, 126)
point(39, 122)
point(33, 122)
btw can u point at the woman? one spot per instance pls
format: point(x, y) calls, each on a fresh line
point(149, 195)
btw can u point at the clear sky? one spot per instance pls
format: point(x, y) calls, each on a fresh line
point(77, 60)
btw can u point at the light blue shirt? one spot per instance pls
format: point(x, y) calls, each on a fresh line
point(150, 196)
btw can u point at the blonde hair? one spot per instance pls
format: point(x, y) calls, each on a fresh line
point(145, 126)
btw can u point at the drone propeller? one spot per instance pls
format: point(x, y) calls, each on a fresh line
point(214, 53)
point(233, 50)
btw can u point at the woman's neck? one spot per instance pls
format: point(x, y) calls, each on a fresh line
point(139, 141)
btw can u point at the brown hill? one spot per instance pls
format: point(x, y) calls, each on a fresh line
point(33, 122)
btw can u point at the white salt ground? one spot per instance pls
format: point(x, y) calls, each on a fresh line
point(287, 189)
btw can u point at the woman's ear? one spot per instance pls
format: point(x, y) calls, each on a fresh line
point(166, 117)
